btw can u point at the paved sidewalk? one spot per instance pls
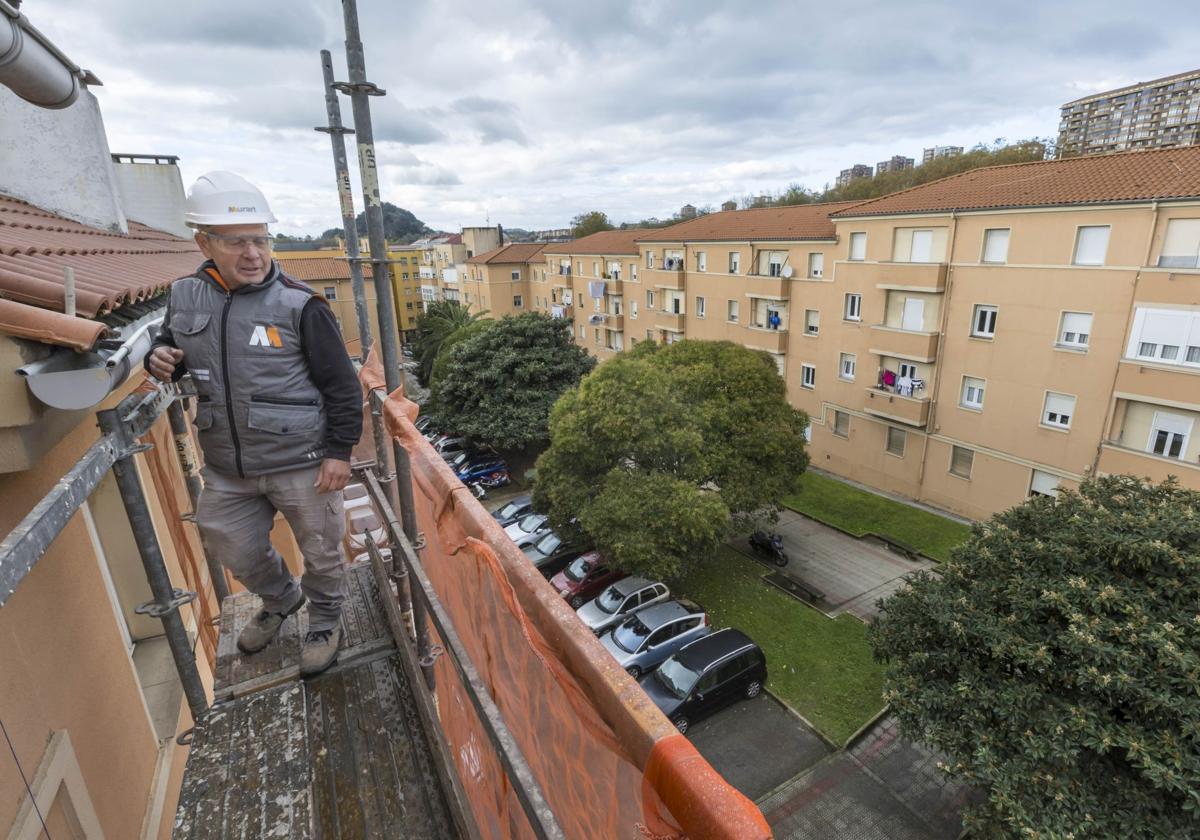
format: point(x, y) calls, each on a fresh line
point(842, 573)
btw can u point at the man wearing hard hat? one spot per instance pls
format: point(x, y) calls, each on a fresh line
point(279, 410)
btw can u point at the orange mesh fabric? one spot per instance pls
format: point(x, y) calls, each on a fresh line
point(608, 762)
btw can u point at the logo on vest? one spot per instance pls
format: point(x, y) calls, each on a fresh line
point(265, 337)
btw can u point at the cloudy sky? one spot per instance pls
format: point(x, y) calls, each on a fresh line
point(527, 113)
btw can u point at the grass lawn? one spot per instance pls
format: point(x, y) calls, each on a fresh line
point(821, 667)
point(857, 511)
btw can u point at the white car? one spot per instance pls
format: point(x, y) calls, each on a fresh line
point(528, 529)
point(619, 601)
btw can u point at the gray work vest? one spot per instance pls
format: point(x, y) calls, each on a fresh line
point(259, 411)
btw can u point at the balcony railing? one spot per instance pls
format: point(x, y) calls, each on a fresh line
point(775, 287)
point(927, 277)
point(903, 344)
point(765, 338)
point(671, 321)
point(1138, 380)
point(914, 411)
point(1116, 459)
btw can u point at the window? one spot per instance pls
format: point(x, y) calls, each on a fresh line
point(812, 322)
point(961, 461)
point(699, 307)
point(649, 259)
point(1181, 245)
point(896, 439)
point(846, 365)
point(972, 393)
point(633, 307)
point(331, 293)
point(650, 299)
point(1043, 484)
point(518, 302)
point(808, 376)
point(598, 333)
point(922, 246)
point(1169, 336)
point(1091, 244)
point(732, 311)
point(516, 274)
point(581, 332)
point(701, 261)
point(1168, 434)
point(858, 246)
point(983, 323)
point(995, 245)
point(595, 268)
point(775, 261)
point(735, 262)
point(908, 369)
point(808, 433)
point(579, 267)
point(1058, 410)
point(853, 307)
point(1075, 329)
point(841, 424)
point(816, 265)
point(675, 303)
point(633, 272)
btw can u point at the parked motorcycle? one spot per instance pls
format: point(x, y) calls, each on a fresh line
point(479, 491)
point(769, 545)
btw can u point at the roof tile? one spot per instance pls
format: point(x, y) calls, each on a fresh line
point(602, 243)
point(794, 222)
point(518, 252)
point(320, 268)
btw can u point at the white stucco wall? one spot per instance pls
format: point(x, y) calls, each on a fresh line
point(59, 160)
point(152, 193)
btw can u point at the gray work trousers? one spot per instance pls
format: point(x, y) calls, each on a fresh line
point(235, 516)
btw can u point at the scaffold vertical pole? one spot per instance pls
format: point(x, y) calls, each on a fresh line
point(185, 451)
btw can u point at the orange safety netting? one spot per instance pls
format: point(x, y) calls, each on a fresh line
point(608, 762)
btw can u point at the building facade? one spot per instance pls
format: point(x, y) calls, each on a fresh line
point(1164, 112)
point(499, 280)
point(940, 151)
point(967, 343)
point(859, 170)
point(896, 163)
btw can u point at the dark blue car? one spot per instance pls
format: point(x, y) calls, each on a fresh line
point(486, 468)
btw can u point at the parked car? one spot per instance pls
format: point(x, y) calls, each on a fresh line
point(511, 511)
point(551, 553)
point(646, 638)
point(489, 470)
point(448, 446)
point(619, 600)
point(528, 529)
point(423, 423)
point(705, 675)
point(584, 578)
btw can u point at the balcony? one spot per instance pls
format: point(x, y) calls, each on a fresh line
point(904, 344)
point(666, 278)
point(761, 338)
point(614, 322)
point(1117, 459)
point(766, 286)
point(670, 321)
point(613, 285)
point(1160, 383)
point(913, 411)
point(921, 277)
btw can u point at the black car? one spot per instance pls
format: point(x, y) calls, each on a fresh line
point(551, 554)
point(705, 675)
point(511, 511)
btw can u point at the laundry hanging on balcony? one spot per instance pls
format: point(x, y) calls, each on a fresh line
point(568, 296)
point(596, 288)
point(596, 320)
point(558, 311)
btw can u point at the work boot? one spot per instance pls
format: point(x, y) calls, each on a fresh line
point(320, 650)
point(262, 628)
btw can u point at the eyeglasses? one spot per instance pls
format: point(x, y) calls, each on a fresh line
point(239, 243)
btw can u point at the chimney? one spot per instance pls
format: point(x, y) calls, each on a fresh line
point(151, 191)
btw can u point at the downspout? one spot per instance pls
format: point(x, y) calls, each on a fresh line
point(1105, 430)
point(35, 69)
point(936, 391)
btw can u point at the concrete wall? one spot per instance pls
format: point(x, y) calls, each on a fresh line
point(59, 160)
point(152, 193)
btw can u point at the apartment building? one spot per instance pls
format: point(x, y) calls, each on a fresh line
point(586, 281)
point(330, 277)
point(940, 151)
point(406, 284)
point(968, 342)
point(859, 170)
point(896, 163)
point(437, 271)
point(1160, 113)
point(498, 281)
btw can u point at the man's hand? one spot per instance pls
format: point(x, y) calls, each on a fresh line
point(333, 475)
point(163, 360)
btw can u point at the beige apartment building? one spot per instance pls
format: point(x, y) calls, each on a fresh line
point(498, 281)
point(968, 342)
point(330, 276)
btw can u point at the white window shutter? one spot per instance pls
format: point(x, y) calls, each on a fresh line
point(995, 246)
point(1060, 404)
point(1044, 483)
point(1091, 245)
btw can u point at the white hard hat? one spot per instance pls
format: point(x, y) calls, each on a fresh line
point(222, 198)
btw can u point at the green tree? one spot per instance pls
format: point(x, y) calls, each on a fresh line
point(662, 450)
point(497, 385)
point(588, 223)
point(1056, 659)
point(433, 327)
point(441, 363)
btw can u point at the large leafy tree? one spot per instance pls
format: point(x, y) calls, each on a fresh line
point(588, 223)
point(433, 327)
point(1057, 661)
point(497, 385)
point(661, 450)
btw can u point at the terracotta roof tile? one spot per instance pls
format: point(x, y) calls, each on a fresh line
point(36, 324)
point(1144, 175)
point(111, 269)
point(319, 268)
point(601, 243)
point(518, 252)
point(795, 222)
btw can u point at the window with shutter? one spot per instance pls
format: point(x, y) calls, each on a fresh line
point(816, 265)
point(995, 245)
point(1043, 484)
point(922, 246)
point(1075, 330)
point(812, 322)
point(896, 439)
point(1091, 245)
point(1181, 245)
point(1168, 336)
point(841, 424)
point(1058, 410)
point(858, 246)
point(961, 461)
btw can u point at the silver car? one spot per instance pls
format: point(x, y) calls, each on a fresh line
point(528, 529)
point(618, 601)
point(643, 640)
